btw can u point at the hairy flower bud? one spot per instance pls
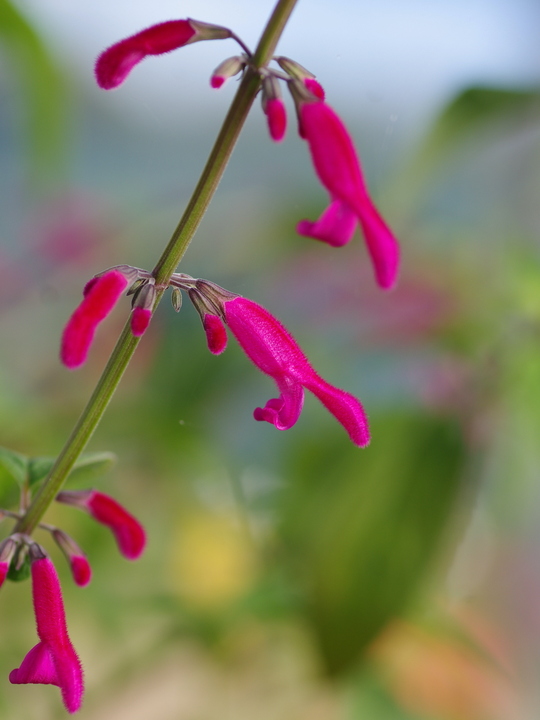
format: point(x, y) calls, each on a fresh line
point(100, 296)
point(115, 63)
point(127, 530)
point(80, 567)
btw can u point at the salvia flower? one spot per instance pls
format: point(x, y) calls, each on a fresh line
point(275, 352)
point(100, 296)
point(127, 530)
point(115, 63)
point(53, 661)
point(338, 168)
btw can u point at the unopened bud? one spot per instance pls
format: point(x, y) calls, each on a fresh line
point(227, 69)
point(80, 567)
point(176, 299)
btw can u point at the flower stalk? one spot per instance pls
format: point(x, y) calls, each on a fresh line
point(165, 267)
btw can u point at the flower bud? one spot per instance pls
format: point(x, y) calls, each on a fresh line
point(100, 296)
point(143, 304)
point(127, 530)
point(227, 69)
point(80, 567)
point(274, 108)
point(115, 63)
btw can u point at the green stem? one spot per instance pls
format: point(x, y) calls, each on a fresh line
point(166, 265)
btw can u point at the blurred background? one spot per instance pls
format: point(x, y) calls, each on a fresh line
point(288, 576)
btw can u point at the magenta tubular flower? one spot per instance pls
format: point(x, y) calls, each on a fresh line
point(100, 296)
point(338, 169)
point(53, 661)
point(274, 351)
point(115, 63)
point(127, 530)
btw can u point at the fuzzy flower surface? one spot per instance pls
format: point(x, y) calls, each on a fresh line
point(270, 346)
point(114, 64)
point(53, 661)
point(338, 168)
point(127, 530)
point(100, 296)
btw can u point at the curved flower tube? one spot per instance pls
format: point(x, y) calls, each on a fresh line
point(270, 346)
point(53, 661)
point(338, 168)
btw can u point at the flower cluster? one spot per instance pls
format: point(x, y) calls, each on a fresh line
point(266, 342)
point(332, 151)
point(262, 337)
point(53, 661)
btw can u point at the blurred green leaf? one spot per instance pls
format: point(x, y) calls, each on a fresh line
point(87, 466)
point(13, 465)
point(362, 527)
point(476, 118)
point(90, 465)
point(42, 84)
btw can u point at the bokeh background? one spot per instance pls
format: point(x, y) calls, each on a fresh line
point(288, 576)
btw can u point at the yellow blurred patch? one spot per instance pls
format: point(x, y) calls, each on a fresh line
point(213, 561)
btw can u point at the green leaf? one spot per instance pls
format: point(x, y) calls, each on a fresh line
point(90, 465)
point(361, 528)
point(13, 465)
point(87, 466)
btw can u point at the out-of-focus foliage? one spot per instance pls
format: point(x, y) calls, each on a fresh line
point(37, 82)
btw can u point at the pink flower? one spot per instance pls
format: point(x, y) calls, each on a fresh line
point(274, 351)
point(115, 63)
point(127, 530)
point(277, 119)
point(338, 169)
point(53, 661)
point(100, 297)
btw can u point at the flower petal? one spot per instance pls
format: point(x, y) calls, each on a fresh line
point(336, 225)
point(338, 168)
point(283, 412)
point(344, 407)
point(36, 668)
